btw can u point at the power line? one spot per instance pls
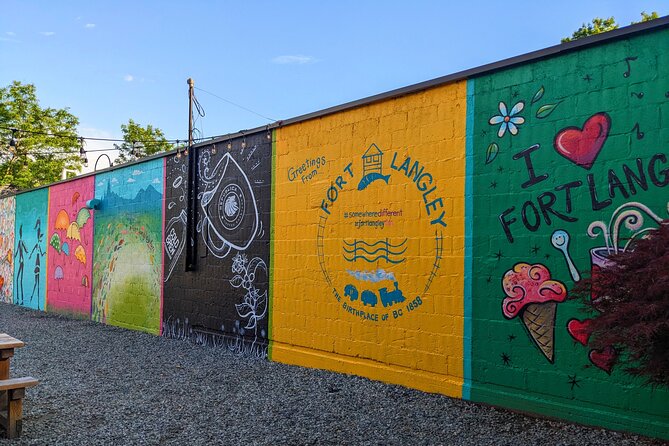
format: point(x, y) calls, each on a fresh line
point(235, 104)
point(89, 138)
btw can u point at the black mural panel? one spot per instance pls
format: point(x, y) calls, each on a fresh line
point(225, 300)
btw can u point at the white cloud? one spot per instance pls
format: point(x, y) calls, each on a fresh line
point(100, 183)
point(89, 25)
point(8, 39)
point(137, 172)
point(114, 181)
point(131, 180)
point(297, 59)
point(47, 33)
point(128, 78)
point(10, 33)
point(156, 181)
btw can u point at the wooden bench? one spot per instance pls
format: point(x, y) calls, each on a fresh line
point(11, 419)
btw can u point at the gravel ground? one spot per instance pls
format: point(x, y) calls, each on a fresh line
point(103, 385)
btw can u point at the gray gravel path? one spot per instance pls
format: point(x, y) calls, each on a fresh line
point(104, 385)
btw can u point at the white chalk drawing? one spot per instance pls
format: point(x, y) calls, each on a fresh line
point(230, 218)
point(631, 216)
point(175, 231)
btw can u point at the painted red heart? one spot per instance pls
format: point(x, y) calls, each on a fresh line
point(581, 146)
point(604, 358)
point(580, 330)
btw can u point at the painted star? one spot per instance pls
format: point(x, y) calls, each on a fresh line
point(573, 381)
point(499, 255)
point(506, 359)
point(512, 337)
point(535, 249)
point(493, 185)
point(515, 94)
point(500, 169)
point(587, 78)
point(547, 256)
point(489, 279)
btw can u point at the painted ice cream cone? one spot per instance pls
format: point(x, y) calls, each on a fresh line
point(539, 319)
point(534, 296)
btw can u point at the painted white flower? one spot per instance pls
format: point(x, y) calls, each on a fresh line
point(508, 120)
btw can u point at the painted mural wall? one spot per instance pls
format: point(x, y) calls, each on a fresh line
point(30, 242)
point(7, 214)
point(70, 248)
point(225, 300)
point(429, 240)
point(127, 265)
point(369, 241)
point(569, 165)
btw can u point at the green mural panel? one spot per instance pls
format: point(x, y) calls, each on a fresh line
point(570, 163)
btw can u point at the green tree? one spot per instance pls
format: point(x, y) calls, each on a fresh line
point(645, 17)
point(139, 141)
point(36, 144)
point(599, 25)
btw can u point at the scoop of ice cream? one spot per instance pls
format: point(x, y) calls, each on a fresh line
point(529, 284)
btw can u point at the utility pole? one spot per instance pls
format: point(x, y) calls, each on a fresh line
point(191, 85)
point(191, 205)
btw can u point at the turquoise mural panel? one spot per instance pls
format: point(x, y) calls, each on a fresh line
point(30, 243)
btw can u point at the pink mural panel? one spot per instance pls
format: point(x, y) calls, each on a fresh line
point(70, 248)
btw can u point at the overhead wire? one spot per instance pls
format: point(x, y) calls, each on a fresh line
point(235, 104)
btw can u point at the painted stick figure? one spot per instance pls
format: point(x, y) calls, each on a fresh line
point(22, 250)
point(40, 253)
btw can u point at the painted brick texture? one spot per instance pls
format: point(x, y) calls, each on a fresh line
point(368, 241)
point(588, 146)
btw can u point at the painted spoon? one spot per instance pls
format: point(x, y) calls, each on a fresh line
point(560, 241)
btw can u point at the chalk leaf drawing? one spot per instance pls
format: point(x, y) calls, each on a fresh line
point(532, 294)
point(230, 213)
point(508, 120)
point(581, 146)
point(491, 153)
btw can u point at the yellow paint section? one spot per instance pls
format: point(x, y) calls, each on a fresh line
point(367, 280)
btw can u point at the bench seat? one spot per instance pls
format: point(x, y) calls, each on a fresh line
point(12, 392)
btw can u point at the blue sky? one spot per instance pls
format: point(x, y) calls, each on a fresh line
point(111, 61)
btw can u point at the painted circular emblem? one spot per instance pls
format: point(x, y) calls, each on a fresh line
point(231, 207)
point(380, 235)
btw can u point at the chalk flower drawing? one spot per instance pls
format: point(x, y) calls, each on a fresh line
point(508, 120)
point(254, 304)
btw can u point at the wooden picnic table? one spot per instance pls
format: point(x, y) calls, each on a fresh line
point(7, 346)
point(12, 391)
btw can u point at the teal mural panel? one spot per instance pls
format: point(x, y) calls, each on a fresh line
point(127, 267)
point(30, 242)
point(570, 164)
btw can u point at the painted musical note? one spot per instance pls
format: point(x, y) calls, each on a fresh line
point(638, 95)
point(639, 133)
point(629, 67)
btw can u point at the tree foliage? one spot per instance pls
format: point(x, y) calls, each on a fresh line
point(599, 25)
point(629, 299)
point(46, 140)
point(140, 141)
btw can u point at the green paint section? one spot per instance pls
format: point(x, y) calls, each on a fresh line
point(131, 308)
point(270, 334)
point(559, 144)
